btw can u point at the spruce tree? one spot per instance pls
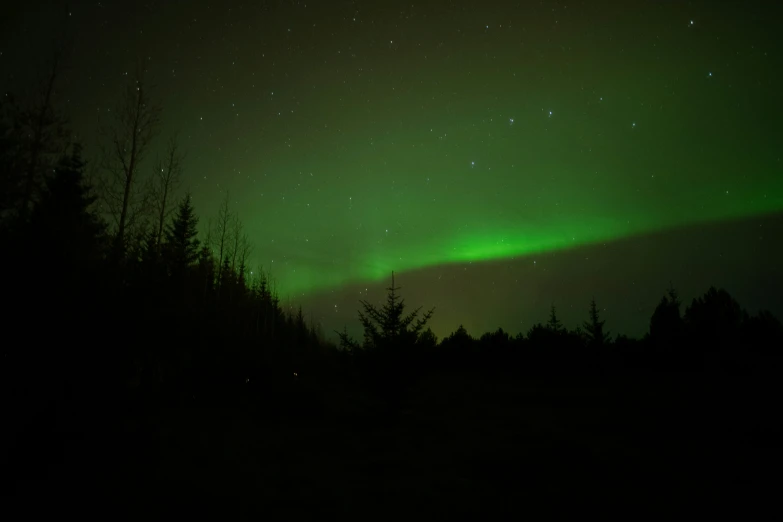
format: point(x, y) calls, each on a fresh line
point(299, 324)
point(554, 323)
point(346, 343)
point(594, 328)
point(428, 339)
point(713, 321)
point(63, 220)
point(388, 326)
point(666, 324)
point(206, 270)
point(386, 329)
point(182, 243)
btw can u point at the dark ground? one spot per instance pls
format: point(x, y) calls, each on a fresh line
point(473, 446)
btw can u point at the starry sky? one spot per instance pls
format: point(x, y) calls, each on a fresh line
point(500, 157)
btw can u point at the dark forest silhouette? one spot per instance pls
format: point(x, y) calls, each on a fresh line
point(121, 316)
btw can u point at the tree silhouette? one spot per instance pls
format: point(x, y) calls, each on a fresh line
point(713, 321)
point(221, 235)
point(125, 144)
point(388, 327)
point(554, 323)
point(225, 280)
point(763, 333)
point(496, 341)
point(539, 334)
point(42, 130)
point(64, 220)
point(459, 341)
point(347, 344)
point(182, 244)
point(594, 328)
point(206, 271)
point(666, 324)
point(165, 182)
point(428, 339)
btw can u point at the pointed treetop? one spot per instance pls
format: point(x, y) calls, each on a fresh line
point(554, 323)
point(594, 327)
point(388, 326)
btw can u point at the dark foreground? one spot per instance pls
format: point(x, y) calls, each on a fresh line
point(453, 445)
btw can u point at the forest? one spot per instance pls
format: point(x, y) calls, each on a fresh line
point(146, 365)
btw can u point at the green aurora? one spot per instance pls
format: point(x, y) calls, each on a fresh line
point(359, 139)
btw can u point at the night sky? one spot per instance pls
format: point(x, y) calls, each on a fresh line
point(500, 157)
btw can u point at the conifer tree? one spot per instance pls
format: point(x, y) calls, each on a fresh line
point(666, 324)
point(594, 328)
point(388, 327)
point(346, 343)
point(63, 220)
point(713, 321)
point(460, 333)
point(554, 323)
point(428, 339)
point(206, 270)
point(299, 323)
point(181, 236)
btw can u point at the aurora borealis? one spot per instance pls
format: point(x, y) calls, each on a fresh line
point(450, 139)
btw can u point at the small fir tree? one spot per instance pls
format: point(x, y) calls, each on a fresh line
point(182, 236)
point(594, 328)
point(554, 323)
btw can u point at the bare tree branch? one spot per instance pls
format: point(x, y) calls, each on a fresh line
point(166, 180)
point(222, 227)
point(236, 240)
point(245, 249)
point(44, 129)
point(221, 236)
point(125, 143)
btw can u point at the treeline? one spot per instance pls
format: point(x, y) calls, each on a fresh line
point(110, 286)
point(712, 333)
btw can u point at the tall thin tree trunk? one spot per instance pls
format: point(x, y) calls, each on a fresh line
point(35, 149)
point(161, 218)
point(129, 174)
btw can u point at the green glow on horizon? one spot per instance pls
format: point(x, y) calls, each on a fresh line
point(408, 137)
point(496, 241)
point(357, 140)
